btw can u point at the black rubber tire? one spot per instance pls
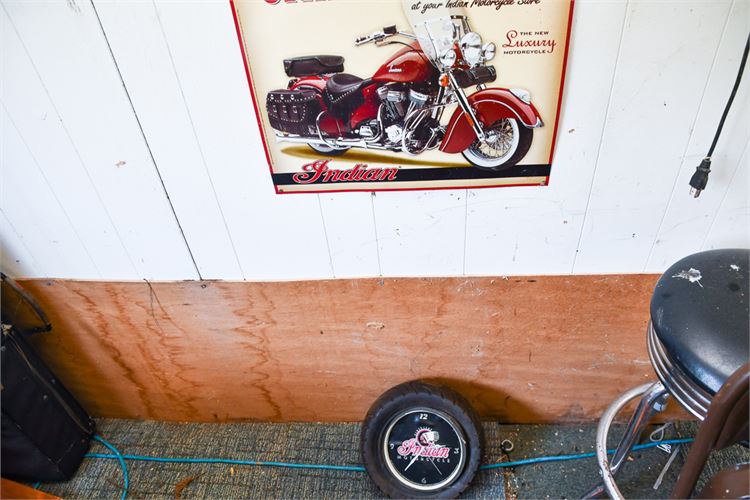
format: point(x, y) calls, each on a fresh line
point(525, 138)
point(415, 395)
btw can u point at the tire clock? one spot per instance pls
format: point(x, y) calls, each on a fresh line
point(421, 441)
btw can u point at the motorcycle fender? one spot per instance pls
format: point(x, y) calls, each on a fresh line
point(489, 105)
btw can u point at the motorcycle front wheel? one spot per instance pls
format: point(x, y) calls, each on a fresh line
point(327, 150)
point(506, 143)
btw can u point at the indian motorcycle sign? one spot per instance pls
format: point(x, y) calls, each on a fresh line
point(373, 95)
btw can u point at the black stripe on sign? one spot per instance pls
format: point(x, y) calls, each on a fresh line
point(435, 174)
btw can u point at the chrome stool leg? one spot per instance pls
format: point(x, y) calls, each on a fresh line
point(653, 399)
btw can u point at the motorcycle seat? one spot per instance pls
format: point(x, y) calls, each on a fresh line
point(700, 311)
point(313, 65)
point(343, 93)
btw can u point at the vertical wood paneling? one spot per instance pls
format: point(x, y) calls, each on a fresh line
point(645, 85)
point(15, 257)
point(65, 43)
point(46, 226)
point(28, 109)
point(731, 224)
point(145, 64)
point(421, 233)
point(535, 230)
point(350, 230)
point(687, 220)
point(666, 55)
point(276, 237)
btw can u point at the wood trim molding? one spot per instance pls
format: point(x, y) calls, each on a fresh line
point(521, 349)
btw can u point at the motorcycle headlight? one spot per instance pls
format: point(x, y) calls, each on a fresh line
point(448, 58)
point(488, 51)
point(471, 48)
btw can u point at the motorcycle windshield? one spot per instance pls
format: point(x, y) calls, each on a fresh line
point(436, 28)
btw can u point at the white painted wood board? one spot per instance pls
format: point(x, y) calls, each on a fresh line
point(664, 63)
point(66, 46)
point(276, 237)
point(536, 230)
point(687, 220)
point(148, 71)
point(107, 144)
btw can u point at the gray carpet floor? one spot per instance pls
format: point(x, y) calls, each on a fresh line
point(339, 444)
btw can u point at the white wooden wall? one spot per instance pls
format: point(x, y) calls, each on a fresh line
point(130, 150)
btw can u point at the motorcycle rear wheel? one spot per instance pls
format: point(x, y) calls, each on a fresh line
point(327, 150)
point(511, 142)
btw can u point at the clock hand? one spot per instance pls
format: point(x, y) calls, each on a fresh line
point(412, 461)
point(436, 467)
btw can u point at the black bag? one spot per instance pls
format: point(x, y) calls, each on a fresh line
point(313, 65)
point(293, 111)
point(45, 432)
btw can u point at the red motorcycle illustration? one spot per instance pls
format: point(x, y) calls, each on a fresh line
point(400, 107)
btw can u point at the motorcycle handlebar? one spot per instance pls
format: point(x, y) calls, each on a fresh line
point(377, 36)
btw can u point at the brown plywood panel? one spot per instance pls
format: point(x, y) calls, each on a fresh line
point(11, 489)
point(527, 349)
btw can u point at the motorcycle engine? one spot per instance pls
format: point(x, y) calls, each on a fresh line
point(393, 99)
point(422, 128)
point(399, 106)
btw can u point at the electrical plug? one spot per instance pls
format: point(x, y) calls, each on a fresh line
point(700, 178)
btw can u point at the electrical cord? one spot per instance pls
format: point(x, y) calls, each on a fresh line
point(349, 468)
point(700, 178)
point(731, 97)
point(117, 455)
point(578, 456)
point(229, 461)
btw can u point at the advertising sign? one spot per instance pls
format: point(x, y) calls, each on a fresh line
point(373, 95)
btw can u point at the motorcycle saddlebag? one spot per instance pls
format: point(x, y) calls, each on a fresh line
point(313, 65)
point(293, 111)
point(45, 432)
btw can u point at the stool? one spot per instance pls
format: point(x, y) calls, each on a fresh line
point(698, 343)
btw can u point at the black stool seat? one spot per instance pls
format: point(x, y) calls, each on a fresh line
point(700, 312)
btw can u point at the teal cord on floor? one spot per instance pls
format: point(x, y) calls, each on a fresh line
point(577, 456)
point(119, 458)
point(350, 468)
point(229, 461)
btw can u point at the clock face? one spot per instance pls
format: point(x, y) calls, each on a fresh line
point(424, 449)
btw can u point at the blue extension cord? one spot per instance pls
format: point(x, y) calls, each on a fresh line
point(351, 468)
point(119, 458)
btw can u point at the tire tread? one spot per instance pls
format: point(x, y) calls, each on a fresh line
point(388, 403)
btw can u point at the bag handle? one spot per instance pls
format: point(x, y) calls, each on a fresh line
point(31, 302)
